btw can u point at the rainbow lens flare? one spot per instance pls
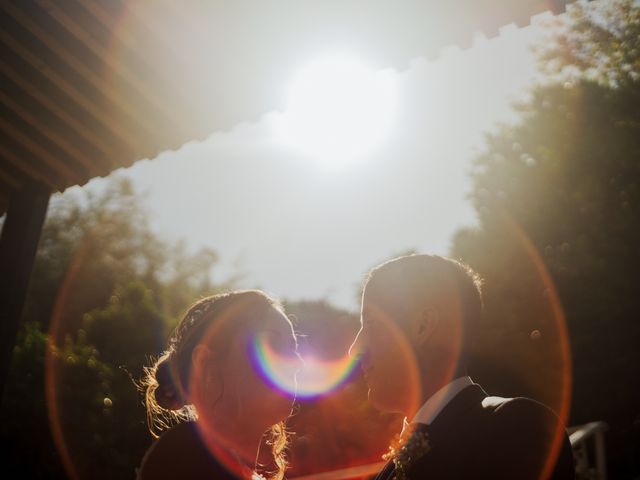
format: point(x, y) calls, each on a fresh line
point(315, 377)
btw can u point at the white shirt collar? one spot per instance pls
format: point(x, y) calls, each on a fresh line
point(434, 405)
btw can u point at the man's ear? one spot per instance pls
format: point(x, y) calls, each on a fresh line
point(427, 323)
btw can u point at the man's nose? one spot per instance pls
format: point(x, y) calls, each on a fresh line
point(300, 363)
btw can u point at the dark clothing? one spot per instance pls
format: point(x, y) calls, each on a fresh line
point(477, 436)
point(180, 454)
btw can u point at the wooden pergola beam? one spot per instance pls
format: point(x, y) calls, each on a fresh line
point(18, 245)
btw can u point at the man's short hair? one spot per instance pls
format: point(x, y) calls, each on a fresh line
point(403, 284)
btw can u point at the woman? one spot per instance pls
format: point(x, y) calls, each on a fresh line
point(206, 385)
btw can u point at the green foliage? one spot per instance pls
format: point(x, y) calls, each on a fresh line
point(130, 314)
point(95, 412)
point(566, 178)
point(24, 435)
point(598, 41)
point(104, 295)
point(90, 245)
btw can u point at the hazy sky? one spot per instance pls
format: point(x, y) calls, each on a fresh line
point(299, 229)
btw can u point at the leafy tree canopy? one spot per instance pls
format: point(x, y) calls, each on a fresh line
point(565, 180)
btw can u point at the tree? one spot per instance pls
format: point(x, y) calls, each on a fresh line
point(563, 186)
point(25, 439)
point(104, 295)
point(597, 41)
point(132, 314)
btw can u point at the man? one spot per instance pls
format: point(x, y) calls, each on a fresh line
point(419, 314)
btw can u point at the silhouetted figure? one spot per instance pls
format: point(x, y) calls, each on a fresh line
point(207, 380)
point(419, 314)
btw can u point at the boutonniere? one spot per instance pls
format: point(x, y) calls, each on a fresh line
point(405, 453)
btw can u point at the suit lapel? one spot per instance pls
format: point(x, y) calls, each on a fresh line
point(455, 412)
point(440, 430)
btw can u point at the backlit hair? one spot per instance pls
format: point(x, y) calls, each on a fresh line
point(166, 381)
point(403, 284)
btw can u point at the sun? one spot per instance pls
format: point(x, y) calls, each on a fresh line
point(338, 110)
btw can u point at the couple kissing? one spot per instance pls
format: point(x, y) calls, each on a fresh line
point(420, 315)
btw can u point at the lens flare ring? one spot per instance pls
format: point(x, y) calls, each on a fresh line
point(317, 376)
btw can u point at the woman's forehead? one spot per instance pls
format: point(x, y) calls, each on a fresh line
point(277, 320)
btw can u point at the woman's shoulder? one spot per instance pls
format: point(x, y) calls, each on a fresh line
point(180, 453)
point(179, 437)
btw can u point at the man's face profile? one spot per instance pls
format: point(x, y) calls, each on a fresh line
point(387, 359)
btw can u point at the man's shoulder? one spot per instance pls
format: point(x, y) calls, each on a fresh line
point(515, 438)
point(529, 433)
point(480, 436)
point(521, 410)
point(514, 405)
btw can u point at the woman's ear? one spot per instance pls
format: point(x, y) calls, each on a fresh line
point(205, 375)
point(427, 323)
point(202, 358)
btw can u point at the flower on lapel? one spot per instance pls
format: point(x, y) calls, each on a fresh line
point(405, 453)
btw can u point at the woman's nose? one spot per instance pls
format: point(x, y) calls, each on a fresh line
point(356, 348)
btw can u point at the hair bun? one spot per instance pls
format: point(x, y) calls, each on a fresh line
point(166, 393)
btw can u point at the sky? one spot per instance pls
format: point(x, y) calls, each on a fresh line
point(303, 227)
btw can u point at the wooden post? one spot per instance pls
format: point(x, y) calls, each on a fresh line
point(18, 245)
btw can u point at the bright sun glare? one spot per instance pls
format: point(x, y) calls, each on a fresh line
point(338, 110)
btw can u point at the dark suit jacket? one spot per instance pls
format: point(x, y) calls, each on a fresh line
point(477, 436)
